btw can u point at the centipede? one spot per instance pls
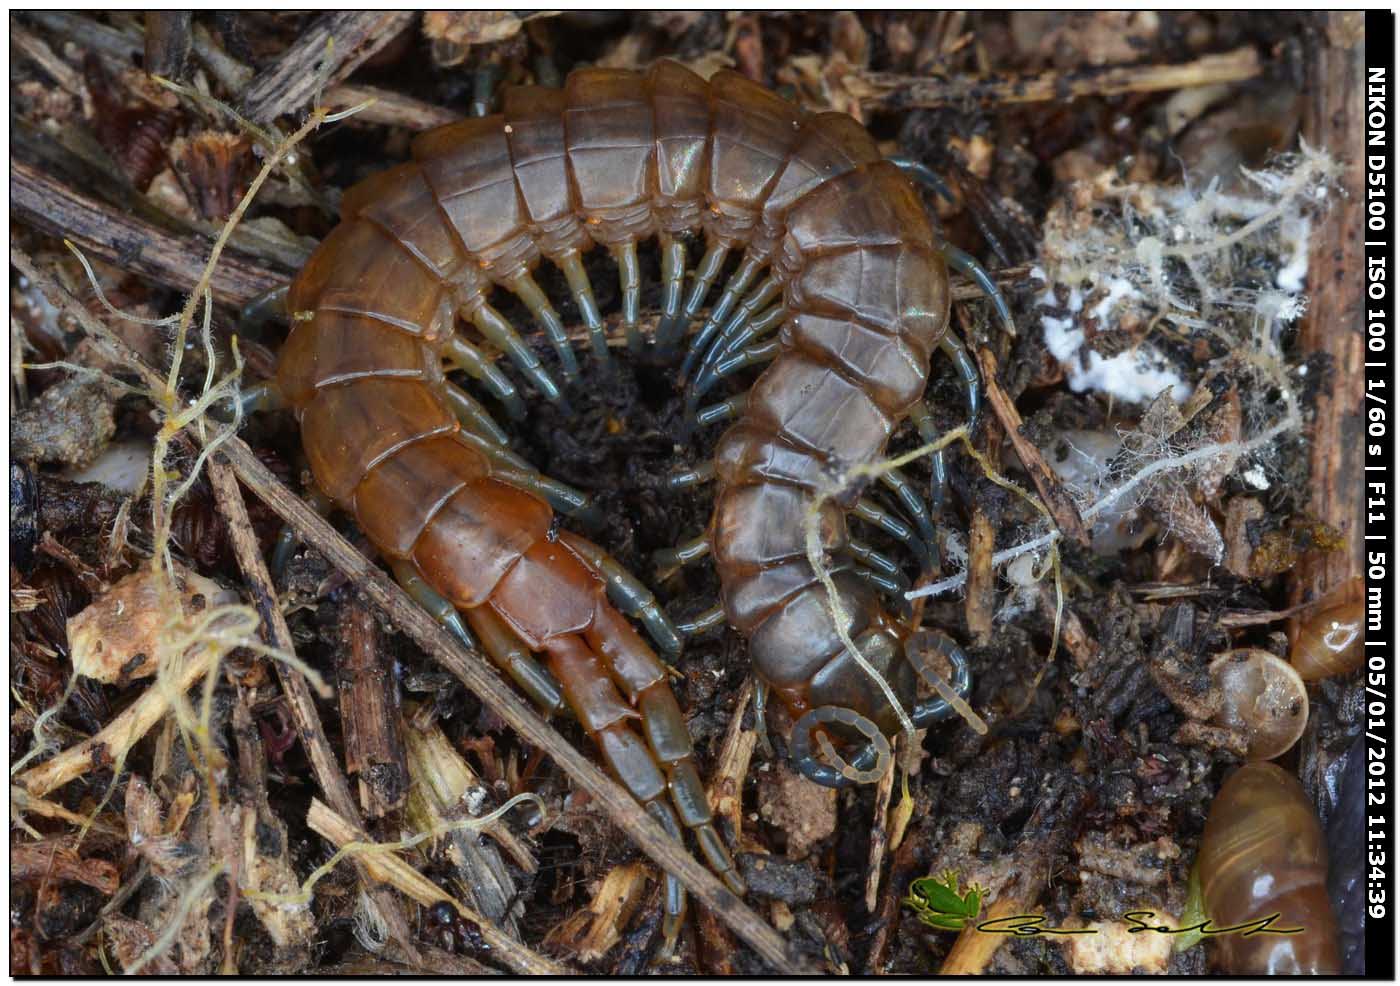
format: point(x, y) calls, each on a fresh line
point(841, 293)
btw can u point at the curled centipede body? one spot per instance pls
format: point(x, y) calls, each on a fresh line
point(855, 281)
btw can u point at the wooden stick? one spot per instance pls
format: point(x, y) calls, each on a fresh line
point(369, 712)
point(298, 693)
point(100, 230)
point(470, 667)
point(395, 871)
point(1334, 119)
point(346, 38)
point(886, 90)
point(1052, 491)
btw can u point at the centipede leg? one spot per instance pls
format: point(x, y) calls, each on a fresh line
point(582, 290)
point(524, 287)
point(729, 297)
point(438, 607)
point(914, 507)
point(724, 349)
point(880, 581)
point(261, 309)
point(668, 328)
point(928, 431)
point(628, 593)
point(759, 299)
point(730, 408)
point(755, 355)
point(685, 479)
point(474, 363)
point(512, 469)
point(760, 716)
point(509, 653)
point(954, 349)
point(708, 620)
point(629, 274)
point(473, 416)
point(710, 265)
point(500, 333)
point(287, 539)
point(877, 562)
point(872, 513)
point(964, 263)
point(261, 396)
point(669, 560)
point(484, 80)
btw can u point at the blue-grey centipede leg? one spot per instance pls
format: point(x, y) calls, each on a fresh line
point(532, 296)
point(881, 582)
point(670, 330)
point(474, 363)
point(760, 716)
point(687, 478)
point(485, 78)
point(708, 620)
point(847, 773)
point(729, 297)
point(924, 175)
point(582, 290)
point(472, 416)
point(714, 370)
point(878, 563)
point(287, 540)
point(871, 512)
point(935, 709)
point(260, 397)
point(511, 469)
point(922, 418)
point(629, 273)
point(964, 263)
point(732, 407)
point(629, 594)
point(261, 309)
point(759, 299)
point(438, 607)
point(509, 653)
point(669, 560)
point(914, 507)
point(498, 330)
